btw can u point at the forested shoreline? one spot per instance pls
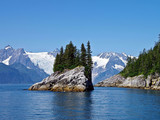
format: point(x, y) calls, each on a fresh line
point(147, 63)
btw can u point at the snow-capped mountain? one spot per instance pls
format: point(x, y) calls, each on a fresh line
point(41, 63)
point(105, 64)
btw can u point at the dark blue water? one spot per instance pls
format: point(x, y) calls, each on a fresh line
point(101, 104)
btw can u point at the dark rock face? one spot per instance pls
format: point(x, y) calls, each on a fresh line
point(69, 81)
point(151, 82)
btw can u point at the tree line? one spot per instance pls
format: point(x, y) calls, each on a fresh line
point(71, 57)
point(147, 63)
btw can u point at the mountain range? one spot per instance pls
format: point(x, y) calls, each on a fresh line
point(36, 66)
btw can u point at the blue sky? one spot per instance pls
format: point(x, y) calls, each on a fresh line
point(110, 25)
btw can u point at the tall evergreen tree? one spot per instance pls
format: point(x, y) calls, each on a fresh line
point(89, 61)
point(61, 56)
point(69, 55)
point(77, 60)
point(83, 55)
point(56, 63)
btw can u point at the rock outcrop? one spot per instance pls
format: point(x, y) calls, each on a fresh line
point(68, 81)
point(151, 82)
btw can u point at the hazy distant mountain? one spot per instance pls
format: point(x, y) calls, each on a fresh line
point(105, 64)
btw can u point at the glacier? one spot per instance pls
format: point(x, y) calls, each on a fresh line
point(43, 60)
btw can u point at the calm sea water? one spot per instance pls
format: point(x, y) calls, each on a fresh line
point(100, 104)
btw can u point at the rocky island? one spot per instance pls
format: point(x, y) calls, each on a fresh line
point(72, 71)
point(70, 80)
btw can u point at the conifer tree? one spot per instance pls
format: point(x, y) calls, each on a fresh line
point(77, 59)
point(69, 55)
point(83, 55)
point(56, 63)
point(89, 61)
point(61, 55)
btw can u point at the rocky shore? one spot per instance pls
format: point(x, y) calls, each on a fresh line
point(67, 81)
point(151, 82)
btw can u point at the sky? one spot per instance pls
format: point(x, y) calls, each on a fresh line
point(126, 26)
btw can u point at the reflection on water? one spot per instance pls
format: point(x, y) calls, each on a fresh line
point(72, 105)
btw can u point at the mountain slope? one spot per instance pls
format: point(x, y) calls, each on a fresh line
point(10, 75)
point(108, 64)
point(32, 74)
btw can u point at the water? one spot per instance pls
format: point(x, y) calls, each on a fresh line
point(100, 104)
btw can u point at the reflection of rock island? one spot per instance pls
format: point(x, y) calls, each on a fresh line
point(69, 80)
point(72, 106)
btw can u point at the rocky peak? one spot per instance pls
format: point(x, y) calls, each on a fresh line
point(6, 53)
point(112, 54)
point(55, 52)
point(20, 51)
point(108, 64)
point(8, 47)
point(70, 80)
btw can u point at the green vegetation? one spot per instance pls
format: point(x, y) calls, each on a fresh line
point(147, 63)
point(71, 57)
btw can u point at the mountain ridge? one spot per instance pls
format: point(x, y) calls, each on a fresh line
point(105, 64)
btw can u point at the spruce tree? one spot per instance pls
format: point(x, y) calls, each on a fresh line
point(77, 59)
point(61, 55)
point(56, 63)
point(89, 61)
point(69, 56)
point(83, 55)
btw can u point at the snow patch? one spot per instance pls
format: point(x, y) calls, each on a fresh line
point(28, 68)
point(8, 47)
point(43, 60)
point(118, 67)
point(124, 54)
point(132, 57)
point(101, 62)
point(6, 61)
point(124, 61)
